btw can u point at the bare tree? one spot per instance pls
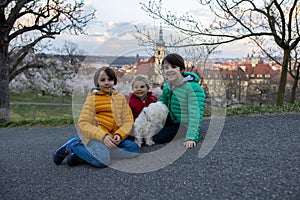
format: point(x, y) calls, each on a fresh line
point(73, 52)
point(234, 20)
point(26, 23)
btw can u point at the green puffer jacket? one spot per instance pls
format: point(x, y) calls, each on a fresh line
point(186, 104)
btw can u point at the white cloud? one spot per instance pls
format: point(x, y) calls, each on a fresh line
point(119, 29)
point(112, 32)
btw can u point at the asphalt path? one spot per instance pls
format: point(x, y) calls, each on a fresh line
point(255, 157)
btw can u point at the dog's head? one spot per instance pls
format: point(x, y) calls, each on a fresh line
point(156, 112)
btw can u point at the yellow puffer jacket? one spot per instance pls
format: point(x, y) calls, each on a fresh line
point(104, 114)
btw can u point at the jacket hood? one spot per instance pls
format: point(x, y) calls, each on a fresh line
point(98, 91)
point(190, 77)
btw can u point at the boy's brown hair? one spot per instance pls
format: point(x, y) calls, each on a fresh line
point(110, 73)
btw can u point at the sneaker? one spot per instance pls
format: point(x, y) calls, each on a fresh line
point(64, 150)
point(73, 160)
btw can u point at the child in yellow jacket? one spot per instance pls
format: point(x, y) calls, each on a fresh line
point(105, 122)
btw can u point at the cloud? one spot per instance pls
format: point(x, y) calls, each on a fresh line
point(200, 12)
point(96, 35)
point(119, 29)
point(112, 34)
point(116, 45)
point(118, 39)
point(110, 29)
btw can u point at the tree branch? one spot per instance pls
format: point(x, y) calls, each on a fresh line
point(23, 52)
point(37, 65)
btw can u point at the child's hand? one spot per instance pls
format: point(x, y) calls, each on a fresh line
point(117, 139)
point(109, 142)
point(189, 144)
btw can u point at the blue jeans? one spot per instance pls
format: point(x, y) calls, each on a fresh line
point(169, 131)
point(98, 155)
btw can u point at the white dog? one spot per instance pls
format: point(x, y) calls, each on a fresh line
point(149, 122)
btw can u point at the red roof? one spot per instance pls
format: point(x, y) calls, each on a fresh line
point(150, 60)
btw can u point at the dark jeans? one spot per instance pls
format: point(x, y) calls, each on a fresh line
point(169, 131)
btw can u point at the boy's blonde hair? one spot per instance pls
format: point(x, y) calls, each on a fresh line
point(141, 78)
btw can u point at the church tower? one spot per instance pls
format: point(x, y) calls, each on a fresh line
point(159, 55)
point(160, 48)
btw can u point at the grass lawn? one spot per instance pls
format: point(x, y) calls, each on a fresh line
point(57, 107)
point(39, 112)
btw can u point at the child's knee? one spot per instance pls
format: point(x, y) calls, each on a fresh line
point(134, 149)
point(101, 163)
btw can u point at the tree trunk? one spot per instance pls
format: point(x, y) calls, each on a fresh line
point(295, 84)
point(4, 92)
point(283, 77)
point(4, 79)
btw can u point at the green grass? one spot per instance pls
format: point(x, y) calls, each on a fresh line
point(258, 110)
point(58, 115)
point(56, 108)
point(39, 112)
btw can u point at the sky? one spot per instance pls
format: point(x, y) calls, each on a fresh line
point(111, 33)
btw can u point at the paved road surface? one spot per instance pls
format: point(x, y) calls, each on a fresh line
point(255, 157)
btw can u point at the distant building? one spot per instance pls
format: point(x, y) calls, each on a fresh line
point(160, 51)
point(246, 81)
point(151, 67)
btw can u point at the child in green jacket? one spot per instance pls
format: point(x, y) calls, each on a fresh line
point(185, 99)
